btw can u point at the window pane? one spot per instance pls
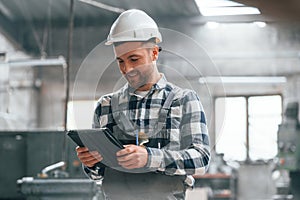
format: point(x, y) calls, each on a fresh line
point(231, 127)
point(264, 118)
point(80, 114)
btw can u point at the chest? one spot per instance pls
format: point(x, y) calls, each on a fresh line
point(146, 117)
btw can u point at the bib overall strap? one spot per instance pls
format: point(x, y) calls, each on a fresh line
point(164, 111)
point(120, 118)
point(126, 124)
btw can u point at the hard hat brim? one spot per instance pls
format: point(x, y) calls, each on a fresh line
point(111, 41)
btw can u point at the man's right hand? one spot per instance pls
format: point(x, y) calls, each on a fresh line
point(88, 158)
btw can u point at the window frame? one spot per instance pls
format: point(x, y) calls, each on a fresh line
point(248, 159)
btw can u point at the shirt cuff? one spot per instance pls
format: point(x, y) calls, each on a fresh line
point(155, 159)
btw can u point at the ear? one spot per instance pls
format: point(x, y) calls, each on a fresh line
point(155, 52)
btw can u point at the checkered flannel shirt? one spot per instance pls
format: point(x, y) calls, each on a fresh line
point(187, 151)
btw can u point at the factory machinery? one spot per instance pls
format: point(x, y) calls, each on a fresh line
point(32, 168)
point(288, 183)
point(34, 165)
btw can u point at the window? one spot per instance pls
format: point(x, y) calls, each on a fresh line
point(80, 114)
point(231, 126)
point(264, 118)
point(246, 127)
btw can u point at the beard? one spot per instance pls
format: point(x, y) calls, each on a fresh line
point(137, 79)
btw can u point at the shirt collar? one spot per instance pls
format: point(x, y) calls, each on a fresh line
point(161, 84)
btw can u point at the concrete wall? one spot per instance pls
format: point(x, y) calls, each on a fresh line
point(18, 91)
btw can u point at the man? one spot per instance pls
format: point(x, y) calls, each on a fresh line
point(163, 127)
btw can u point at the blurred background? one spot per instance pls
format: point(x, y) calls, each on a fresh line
point(242, 57)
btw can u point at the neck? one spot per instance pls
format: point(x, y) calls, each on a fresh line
point(148, 86)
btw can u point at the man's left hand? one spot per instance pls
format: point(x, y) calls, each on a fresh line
point(132, 157)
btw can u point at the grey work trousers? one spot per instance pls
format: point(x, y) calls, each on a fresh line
point(142, 186)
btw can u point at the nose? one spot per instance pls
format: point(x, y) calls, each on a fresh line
point(125, 68)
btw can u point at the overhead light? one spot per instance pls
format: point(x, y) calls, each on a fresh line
point(224, 7)
point(60, 61)
point(222, 11)
point(218, 3)
point(260, 24)
point(242, 79)
point(103, 6)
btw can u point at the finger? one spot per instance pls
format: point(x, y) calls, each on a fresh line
point(94, 153)
point(92, 158)
point(127, 163)
point(126, 157)
point(81, 149)
point(97, 156)
point(128, 149)
point(130, 160)
point(83, 154)
point(88, 154)
point(129, 166)
point(91, 161)
point(128, 145)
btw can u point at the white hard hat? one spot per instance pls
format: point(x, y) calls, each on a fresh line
point(133, 25)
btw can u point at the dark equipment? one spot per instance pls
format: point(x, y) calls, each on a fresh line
point(289, 147)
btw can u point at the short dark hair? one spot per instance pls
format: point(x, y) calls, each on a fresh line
point(151, 40)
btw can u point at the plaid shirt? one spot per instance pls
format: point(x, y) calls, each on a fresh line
point(181, 147)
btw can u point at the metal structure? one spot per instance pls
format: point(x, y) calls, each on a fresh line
point(58, 189)
point(28, 154)
point(289, 139)
point(289, 150)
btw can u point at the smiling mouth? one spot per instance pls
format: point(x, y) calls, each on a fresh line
point(132, 74)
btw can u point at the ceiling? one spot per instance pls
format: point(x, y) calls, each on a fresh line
point(25, 21)
point(276, 10)
point(30, 24)
point(36, 10)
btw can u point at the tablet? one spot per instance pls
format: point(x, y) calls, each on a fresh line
point(101, 140)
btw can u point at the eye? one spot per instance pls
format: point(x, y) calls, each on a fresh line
point(133, 59)
point(120, 61)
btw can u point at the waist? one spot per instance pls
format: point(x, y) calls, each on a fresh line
point(142, 184)
point(112, 175)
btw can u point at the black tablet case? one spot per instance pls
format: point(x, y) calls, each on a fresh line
point(100, 140)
